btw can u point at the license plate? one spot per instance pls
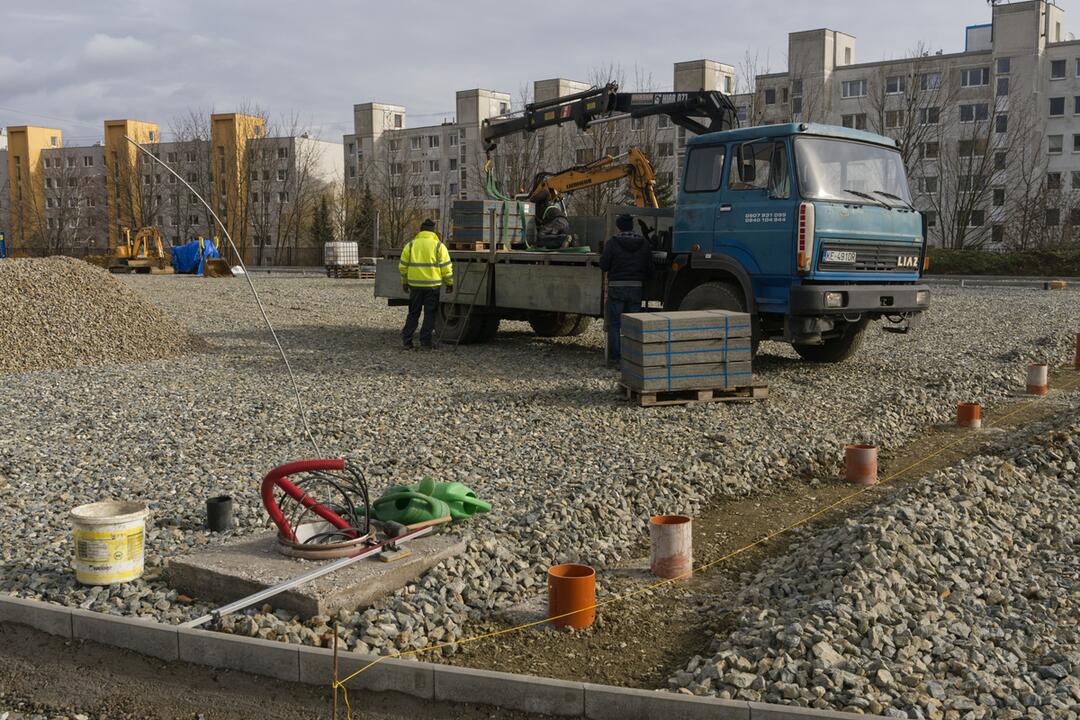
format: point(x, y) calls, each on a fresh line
point(846, 257)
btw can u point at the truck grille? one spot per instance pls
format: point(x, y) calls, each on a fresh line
point(869, 258)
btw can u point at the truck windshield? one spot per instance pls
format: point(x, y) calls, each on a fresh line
point(832, 169)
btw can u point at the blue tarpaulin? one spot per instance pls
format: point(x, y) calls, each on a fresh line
point(189, 257)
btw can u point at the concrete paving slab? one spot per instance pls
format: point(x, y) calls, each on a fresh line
point(253, 655)
point(141, 636)
point(402, 676)
point(46, 617)
point(232, 571)
point(603, 702)
point(560, 698)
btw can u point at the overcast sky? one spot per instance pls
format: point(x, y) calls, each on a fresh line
point(72, 63)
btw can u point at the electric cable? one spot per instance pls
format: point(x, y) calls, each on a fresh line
point(258, 301)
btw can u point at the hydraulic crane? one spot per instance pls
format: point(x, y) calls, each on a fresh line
point(699, 112)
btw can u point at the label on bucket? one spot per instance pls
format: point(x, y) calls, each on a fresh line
point(108, 557)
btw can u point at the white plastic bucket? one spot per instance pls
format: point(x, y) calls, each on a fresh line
point(108, 541)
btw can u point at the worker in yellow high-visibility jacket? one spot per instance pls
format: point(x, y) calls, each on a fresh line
point(425, 267)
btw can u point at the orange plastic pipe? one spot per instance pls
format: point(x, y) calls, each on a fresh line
point(671, 553)
point(969, 415)
point(572, 589)
point(861, 464)
point(1076, 362)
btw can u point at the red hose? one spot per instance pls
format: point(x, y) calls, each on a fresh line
point(277, 478)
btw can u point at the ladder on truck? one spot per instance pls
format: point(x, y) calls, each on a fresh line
point(487, 275)
point(472, 300)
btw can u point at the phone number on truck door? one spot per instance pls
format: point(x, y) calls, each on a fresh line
point(773, 217)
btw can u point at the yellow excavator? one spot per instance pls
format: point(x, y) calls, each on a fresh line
point(633, 166)
point(141, 253)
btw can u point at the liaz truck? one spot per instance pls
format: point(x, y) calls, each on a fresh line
point(809, 228)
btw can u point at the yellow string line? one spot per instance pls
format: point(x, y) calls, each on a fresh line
point(700, 569)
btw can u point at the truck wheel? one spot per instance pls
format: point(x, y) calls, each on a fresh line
point(835, 350)
point(553, 324)
point(721, 296)
point(582, 326)
point(486, 327)
point(454, 325)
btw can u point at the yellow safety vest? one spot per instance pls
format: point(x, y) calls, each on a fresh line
point(425, 262)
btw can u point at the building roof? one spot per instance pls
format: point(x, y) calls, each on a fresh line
point(773, 131)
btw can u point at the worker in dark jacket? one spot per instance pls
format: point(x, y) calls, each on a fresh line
point(552, 225)
point(627, 260)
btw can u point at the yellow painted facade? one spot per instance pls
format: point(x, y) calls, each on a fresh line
point(230, 134)
point(122, 176)
point(26, 187)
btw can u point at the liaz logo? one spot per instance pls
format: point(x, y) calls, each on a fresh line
point(908, 261)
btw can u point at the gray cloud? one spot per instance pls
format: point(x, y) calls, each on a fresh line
point(80, 64)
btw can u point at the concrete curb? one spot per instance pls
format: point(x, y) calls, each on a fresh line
point(427, 681)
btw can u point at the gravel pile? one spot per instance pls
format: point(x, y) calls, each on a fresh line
point(534, 426)
point(960, 598)
point(61, 312)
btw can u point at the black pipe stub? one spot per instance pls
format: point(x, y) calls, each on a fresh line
point(219, 512)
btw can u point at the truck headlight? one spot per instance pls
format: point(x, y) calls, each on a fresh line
point(834, 299)
point(922, 297)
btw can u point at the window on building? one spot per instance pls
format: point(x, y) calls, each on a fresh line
point(729, 84)
point(453, 163)
point(47, 162)
point(972, 148)
point(50, 203)
point(997, 234)
point(796, 88)
point(266, 175)
point(282, 153)
point(929, 116)
point(999, 160)
point(416, 166)
point(928, 184)
point(88, 161)
point(977, 112)
point(858, 121)
point(1004, 66)
point(435, 190)
point(770, 96)
point(853, 88)
point(1053, 217)
point(931, 218)
point(663, 122)
point(1076, 179)
point(71, 161)
point(395, 168)
point(48, 183)
point(1002, 86)
point(504, 108)
point(255, 197)
point(975, 77)
point(453, 188)
point(894, 118)
point(54, 140)
point(1053, 181)
point(1054, 144)
point(1076, 105)
point(930, 150)
point(665, 149)
point(452, 138)
point(999, 197)
point(1057, 69)
point(796, 106)
point(393, 145)
point(433, 141)
point(1001, 124)
point(399, 120)
point(977, 218)
point(895, 85)
point(433, 166)
point(847, 56)
point(584, 155)
point(930, 81)
point(1057, 107)
point(283, 197)
point(415, 142)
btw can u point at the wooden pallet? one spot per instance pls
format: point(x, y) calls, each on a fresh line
point(470, 246)
point(659, 398)
point(343, 271)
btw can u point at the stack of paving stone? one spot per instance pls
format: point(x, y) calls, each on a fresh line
point(476, 222)
point(680, 351)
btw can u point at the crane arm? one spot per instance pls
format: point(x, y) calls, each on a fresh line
point(636, 168)
point(699, 112)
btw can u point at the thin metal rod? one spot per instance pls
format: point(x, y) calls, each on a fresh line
point(258, 300)
point(302, 579)
point(335, 668)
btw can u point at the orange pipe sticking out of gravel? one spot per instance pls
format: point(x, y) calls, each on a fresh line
point(1076, 362)
point(671, 543)
point(969, 415)
point(861, 463)
point(1037, 382)
point(572, 588)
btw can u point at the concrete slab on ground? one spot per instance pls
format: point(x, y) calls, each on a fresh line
point(232, 571)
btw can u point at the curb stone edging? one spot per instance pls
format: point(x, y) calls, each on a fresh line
point(427, 681)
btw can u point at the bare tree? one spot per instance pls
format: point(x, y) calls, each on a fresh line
point(751, 92)
point(400, 206)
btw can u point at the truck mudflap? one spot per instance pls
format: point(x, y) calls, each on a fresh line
point(866, 300)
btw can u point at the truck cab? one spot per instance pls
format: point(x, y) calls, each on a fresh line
point(809, 228)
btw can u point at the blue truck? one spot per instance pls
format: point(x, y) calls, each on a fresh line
point(808, 228)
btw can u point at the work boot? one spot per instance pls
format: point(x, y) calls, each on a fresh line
point(426, 348)
point(408, 346)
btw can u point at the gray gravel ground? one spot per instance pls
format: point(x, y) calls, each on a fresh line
point(960, 598)
point(533, 425)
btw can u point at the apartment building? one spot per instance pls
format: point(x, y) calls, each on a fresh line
point(5, 215)
point(990, 135)
point(83, 200)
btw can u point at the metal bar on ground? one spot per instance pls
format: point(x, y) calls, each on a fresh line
point(301, 579)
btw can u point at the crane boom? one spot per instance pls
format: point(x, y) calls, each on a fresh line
point(634, 166)
point(699, 112)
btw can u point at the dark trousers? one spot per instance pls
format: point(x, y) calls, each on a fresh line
point(427, 300)
point(620, 300)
